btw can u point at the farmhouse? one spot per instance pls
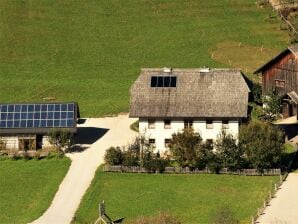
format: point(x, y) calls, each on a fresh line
point(281, 74)
point(208, 100)
point(25, 126)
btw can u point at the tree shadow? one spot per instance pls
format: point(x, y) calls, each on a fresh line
point(76, 148)
point(89, 135)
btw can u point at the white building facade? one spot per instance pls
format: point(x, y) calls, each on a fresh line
point(159, 131)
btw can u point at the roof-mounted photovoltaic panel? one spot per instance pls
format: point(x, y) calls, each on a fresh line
point(53, 115)
point(163, 81)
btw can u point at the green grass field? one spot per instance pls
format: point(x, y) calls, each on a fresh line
point(28, 187)
point(192, 198)
point(91, 51)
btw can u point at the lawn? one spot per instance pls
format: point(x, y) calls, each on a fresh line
point(192, 198)
point(91, 51)
point(28, 187)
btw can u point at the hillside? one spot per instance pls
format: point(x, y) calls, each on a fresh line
point(91, 51)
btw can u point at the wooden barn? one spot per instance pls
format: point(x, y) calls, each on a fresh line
point(281, 74)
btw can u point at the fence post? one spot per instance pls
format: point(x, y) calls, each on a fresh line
point(275, 187)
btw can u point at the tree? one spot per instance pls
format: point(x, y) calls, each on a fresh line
point(257, 93)
point(262, 144)
point(272, 106)
point(184, 147)
point(205, 155)
point(60, 138)
point(113, 156)
point(230, 155)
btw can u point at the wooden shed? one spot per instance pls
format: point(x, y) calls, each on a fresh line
point(281, 74)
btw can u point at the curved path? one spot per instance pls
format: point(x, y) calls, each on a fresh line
point(283, 207)
point(94, 136)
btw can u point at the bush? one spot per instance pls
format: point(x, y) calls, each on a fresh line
point(60, 138)
point(230, 155)
point(214, 164)
point(184, 147)
point(204, 156)
point(262, 144)
point(130, 159)
point(113, 156)
point(272, 106)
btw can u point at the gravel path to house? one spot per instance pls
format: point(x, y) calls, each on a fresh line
point(283, 208)
point(94, 136)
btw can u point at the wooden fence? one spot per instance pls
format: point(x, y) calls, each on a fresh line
point(180, 170)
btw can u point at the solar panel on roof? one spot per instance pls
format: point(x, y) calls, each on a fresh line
point(37, 115)
point(163, 81)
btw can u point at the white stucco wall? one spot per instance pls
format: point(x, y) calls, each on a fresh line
point(159, 133)
point(45, 142)
point(11, 142)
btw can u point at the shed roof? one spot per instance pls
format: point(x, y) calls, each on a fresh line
point(293, 96)
point(37, 118)
point(200, 93)
point(293, 49)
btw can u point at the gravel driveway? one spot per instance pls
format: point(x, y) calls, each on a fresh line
point(94, 136)
point(283, 208)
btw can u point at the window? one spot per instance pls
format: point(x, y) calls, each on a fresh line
point(151, 124)
point(167, 124)
point(209, 142)
point(167, 142)
point(225, 124)
point(152, 142)
point(188, 124)
point(279, 83)
point(209, 124)
point(163, 81)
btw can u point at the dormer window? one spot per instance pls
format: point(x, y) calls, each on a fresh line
point(163, 81)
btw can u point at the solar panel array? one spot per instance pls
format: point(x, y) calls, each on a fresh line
point(163, 81)
point(37, 115)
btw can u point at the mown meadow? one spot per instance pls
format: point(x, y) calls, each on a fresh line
point(191, 198)
point(92, 51)
point(27, 187)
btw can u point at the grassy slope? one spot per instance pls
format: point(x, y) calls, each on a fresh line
point(193, 198)
point(91, 51)
point(28, 187)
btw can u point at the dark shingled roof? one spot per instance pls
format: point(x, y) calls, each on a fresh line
point(220, 93)
point(293, 49)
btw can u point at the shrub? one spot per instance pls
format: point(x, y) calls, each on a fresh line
point(215, 164)
point(113, 156)
point(262, 144)
point(230, 155)
point(257, 93)
point(130, 158)
point(205, 155)
point(272, 106)
point(60, 138)
point(184, 147)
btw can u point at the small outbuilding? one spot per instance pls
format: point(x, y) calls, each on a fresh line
point(167, 101)
point(24, 126)
point(281, 74)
